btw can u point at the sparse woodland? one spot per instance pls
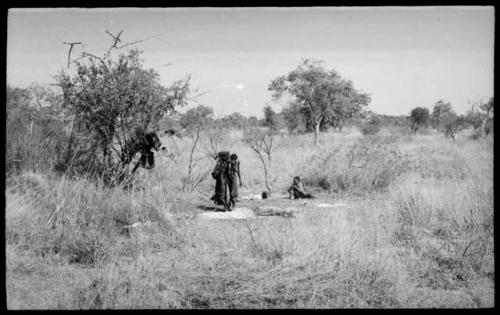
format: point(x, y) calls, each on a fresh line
point(411, 224)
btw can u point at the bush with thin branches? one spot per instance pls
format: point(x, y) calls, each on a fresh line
point(112, 100)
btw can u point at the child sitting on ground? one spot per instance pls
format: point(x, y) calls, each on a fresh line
point(297, 189)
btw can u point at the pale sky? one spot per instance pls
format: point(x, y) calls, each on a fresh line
point(403, 56)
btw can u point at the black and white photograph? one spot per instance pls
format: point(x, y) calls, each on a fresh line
point(273, 157)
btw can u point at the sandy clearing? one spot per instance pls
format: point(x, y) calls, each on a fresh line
point(327, 205)
point(246, 212)
point(237, 213)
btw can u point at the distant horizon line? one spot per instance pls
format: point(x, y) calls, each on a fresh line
point(217, 116)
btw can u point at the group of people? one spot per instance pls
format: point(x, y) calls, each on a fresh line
point(227, 177)
point(227, 180)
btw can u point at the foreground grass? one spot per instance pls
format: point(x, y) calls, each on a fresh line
point(424, 240)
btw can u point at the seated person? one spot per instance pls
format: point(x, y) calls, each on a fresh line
point(297, 189)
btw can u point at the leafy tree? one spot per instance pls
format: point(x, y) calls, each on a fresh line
point(342, 114)
point(480, 116)
point(252, 121)
point(440, 111)
point(453, 124)
point(324, 95)
point(235, 120)
point(473, 118)
point(295, 118)
point(484, 111)
point(419, 117)
point(388, 120)
point(270, 117)
point(112, 101)
point(273, 120)
point(197, 117)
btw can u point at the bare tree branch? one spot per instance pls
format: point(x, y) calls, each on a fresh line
point(71, 48)
point(116, 40)
point(192, 162)
point(262, 144)
point(136, 42)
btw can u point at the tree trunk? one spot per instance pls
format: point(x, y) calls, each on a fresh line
point(266, 173)
point(316, 133)
point(191, 165)
point(31, 129)
point(483, 127)
point(269, 190)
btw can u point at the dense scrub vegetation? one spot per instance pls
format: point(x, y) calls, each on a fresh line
point(410, 221)
point(420, 236)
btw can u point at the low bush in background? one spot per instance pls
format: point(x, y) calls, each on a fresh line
point(369, 164)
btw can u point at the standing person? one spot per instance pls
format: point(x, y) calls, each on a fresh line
point(234, 170)
point(221, 174)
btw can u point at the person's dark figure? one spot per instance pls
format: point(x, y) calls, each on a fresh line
point(221, 174)
point(234, 178)
point(297, 189)
point(143, 143)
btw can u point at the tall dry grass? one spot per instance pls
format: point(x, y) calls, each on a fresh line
point(413, 229)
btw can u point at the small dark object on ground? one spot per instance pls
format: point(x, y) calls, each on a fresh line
point(265, 195)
